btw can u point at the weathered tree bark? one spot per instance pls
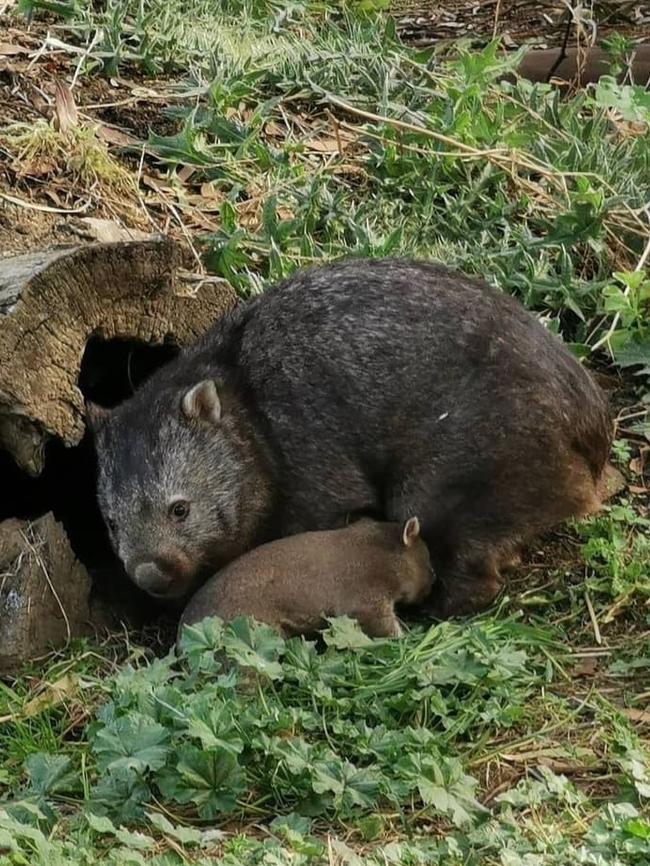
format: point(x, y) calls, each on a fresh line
point(44, 590)
point(51, 302)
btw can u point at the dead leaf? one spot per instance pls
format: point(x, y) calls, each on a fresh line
point(569, 767)
point(205, 204)
point(7, 48)
point(636, 715)
point(12, 66)
point(325, 145)
point(53, 694)
point(36, 99)
point(108, 231)
point(551, 752)
point(66, 116)
point(637, 464)
point(209, 197)
point(586, 667)
point(274, 129)
point(199, 218)
point(116, 136)
point(630, 128)
point(156, 185)
point(52, 195)
point(349, 170)
point(36, 168)
point(186, 173)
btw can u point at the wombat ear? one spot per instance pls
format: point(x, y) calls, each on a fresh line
point(202, 403)
point(411, 531)
point(96, 415)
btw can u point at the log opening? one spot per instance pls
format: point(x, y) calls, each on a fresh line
point(78, 323)
point(110, 371)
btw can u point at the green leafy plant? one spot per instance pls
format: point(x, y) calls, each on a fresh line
point(617, 549)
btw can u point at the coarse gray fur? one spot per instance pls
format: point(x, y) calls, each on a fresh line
point(386, 387)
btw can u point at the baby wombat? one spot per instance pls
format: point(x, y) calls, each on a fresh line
point(379, 386)
point(294, 583)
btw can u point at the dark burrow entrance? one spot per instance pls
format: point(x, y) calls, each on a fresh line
point(110, 372)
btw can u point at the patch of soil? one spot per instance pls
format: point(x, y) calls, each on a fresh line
point(115, 104)
point(23, 230)
point(41, 202)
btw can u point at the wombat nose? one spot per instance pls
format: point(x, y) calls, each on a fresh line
point(149, 577)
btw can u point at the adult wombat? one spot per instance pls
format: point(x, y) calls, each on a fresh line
point(294, 583)
point(384, 386)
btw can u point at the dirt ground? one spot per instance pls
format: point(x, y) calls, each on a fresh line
point(517, 22)
point(40, 206)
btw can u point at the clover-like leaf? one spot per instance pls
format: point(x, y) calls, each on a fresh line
point(50, 774)
point(254, 645)
point(212, 780)
point(345, 633)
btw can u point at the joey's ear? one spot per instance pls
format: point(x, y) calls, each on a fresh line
point(96, 416)
point(202, 403)
point(410, 531)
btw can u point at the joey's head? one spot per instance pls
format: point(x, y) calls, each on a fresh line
point(180, 486)
point(415, 561)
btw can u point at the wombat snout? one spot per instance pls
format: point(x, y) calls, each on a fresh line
point(152, 579)
point(161, 577)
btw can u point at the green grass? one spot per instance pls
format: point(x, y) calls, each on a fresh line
point(325, 136)
point(519, 737)
point(400, 748)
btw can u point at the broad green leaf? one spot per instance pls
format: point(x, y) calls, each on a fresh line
point(210, 780)
point(100, 823)
point(132, 742)
point(134, 840)
point(51, 774)
point(637, 827)
point(349, 785)
point(345, 633)
point(184, 835)
point(210, 720)
point(254, 645)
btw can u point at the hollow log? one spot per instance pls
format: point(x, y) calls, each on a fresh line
point(585, 68)
point(52, 302)
point(73, 318)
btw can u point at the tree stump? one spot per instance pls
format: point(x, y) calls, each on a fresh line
point(109, 302)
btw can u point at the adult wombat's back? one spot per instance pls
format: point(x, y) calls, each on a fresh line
point(389, 357)
point(408, 388)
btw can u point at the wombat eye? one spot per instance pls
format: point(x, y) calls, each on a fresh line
point(179, 510)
